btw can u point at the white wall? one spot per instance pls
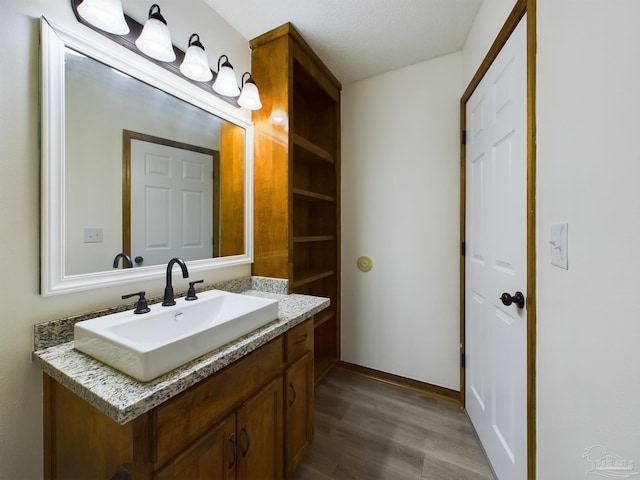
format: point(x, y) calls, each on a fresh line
point(400, 206)
point(588, 173)
point(22, 306)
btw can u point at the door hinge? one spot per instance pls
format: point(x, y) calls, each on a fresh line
point(463, 138)
point(463, 249)
point(463, 361)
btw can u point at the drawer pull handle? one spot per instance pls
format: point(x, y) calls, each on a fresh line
point(302, 339)
point(246, 434)
point(232, 439)
point(293, 391)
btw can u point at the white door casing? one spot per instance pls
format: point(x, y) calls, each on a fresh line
point(171, 203)
point(495, 261)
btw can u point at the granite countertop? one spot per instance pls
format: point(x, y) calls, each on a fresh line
point(123, 398)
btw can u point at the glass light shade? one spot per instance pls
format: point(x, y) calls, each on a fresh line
point(106, 15)
point(225, 83)
point(250, 97)
point(155, 40)
point(195, 64)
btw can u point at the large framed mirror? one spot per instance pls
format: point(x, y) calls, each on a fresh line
point(137, 164)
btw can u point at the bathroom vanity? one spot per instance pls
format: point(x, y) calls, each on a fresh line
point(242, 411)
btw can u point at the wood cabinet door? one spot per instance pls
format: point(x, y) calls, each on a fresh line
point(215, 455)
point(259, 434)
point(298, 419)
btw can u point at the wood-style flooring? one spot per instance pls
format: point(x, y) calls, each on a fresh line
point(365, 429)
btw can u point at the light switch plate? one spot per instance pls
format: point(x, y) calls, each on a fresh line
point(559, 244)
point(93, 235)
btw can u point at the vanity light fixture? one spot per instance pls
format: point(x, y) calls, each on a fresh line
point(250, 97)
point(195, 64)
point(155, 39)
point(225, 83)
point(106, 15)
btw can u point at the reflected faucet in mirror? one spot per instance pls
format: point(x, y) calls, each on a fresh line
point(168, 289)
point(126, 260)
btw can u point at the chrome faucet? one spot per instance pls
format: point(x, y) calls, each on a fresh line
point(168, 289)
point(126, 260)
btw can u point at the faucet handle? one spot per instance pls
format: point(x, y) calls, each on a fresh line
point(191, 293)
point(141, 306)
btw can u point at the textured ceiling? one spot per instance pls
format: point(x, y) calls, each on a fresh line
point(360, 38)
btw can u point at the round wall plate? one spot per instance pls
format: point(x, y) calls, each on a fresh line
point(365, 264)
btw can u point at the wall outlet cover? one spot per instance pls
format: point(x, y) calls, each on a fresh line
point(93, 235)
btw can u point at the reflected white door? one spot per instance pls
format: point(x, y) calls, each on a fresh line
point(495, 262)
point(171, 203)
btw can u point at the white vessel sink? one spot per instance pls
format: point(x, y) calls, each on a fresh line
point(148, 345)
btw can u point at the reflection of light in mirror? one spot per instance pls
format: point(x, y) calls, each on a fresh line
point(278, 116)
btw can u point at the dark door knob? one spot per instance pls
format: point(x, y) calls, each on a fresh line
point(518, 299)
point(139, 259)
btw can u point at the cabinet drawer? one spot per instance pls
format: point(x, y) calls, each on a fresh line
point(299, 340)
point(182, 419)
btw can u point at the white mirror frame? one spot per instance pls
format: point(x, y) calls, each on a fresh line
point(54, 39)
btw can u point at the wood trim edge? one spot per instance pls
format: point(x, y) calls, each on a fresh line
point(507, 29)
point(47, 430)
point(532, 341)
point(424, 388)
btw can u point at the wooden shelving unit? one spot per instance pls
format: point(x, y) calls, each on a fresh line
point(297, 178)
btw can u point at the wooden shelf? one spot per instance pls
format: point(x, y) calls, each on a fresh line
point(306, 151)
point(297, 178)
point(312, 196)
point(312, 275)
point(314, 238)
